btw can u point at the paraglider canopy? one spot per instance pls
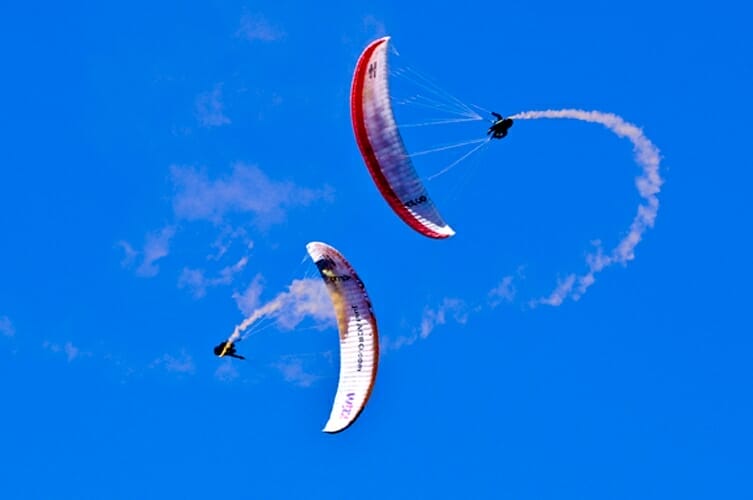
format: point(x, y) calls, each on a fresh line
point(357, 328)
point(382, 147)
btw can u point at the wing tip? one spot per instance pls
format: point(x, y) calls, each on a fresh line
point(438, 233)
point(313, 244)
point(447, 231)
point(334, 430)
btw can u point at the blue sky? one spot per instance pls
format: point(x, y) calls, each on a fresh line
point(162, 168)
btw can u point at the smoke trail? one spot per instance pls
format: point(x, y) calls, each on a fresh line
point(648, 183)
point(304, 298)
point(268, 308)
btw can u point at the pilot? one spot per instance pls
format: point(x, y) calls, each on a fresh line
point(227, 349)
point(499, 128)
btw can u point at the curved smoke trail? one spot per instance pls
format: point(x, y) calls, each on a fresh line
point(304, 298)
point(648, 183)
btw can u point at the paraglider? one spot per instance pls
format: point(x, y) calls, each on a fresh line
point(382, 147)
point(226, 348)
point(383, 150)
point(499, 128)
point(357, 328)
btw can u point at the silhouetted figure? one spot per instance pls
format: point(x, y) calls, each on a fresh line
point(227, 349)
point(499, 128)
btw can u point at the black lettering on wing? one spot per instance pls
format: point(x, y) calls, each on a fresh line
point(416, 201)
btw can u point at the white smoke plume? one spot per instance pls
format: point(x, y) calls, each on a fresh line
point(649, 183)
point(304, 298)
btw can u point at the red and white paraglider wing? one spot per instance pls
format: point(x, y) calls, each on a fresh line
point(382, 147)
point(359, 340)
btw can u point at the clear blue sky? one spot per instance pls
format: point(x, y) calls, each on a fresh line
point(162, 167)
